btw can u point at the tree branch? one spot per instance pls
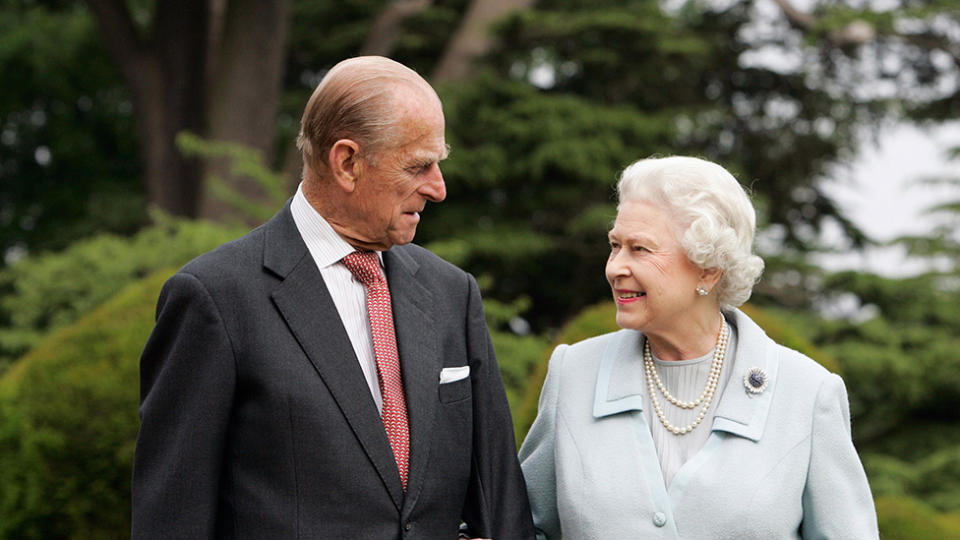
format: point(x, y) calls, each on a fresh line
point(856, 33)
point(797, 18)
point(472, 39)
point(386, 28)
point(119, 34)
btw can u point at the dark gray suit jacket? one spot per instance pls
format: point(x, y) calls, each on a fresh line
point(256, 421)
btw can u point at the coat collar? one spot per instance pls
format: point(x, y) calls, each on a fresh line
point(621, 386)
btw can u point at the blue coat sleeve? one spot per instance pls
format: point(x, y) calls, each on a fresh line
point(538, 457)
point(837, 502)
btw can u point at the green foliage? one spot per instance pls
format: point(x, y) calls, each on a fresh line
point(44, 292)
point(68, 424)
point(783, 333)
point(68, 165)
point(574, 92)
point(909, 519)
point(933, 478)
point(519, 357)
point(245, 164)
point(530, 183)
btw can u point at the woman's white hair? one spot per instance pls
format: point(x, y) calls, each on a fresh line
point(712, 214)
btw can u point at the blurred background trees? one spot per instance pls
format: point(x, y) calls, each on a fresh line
point(545, 102)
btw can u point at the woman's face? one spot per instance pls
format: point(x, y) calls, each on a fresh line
point(652, 280)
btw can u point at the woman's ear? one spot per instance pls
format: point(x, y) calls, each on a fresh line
point(345, 164)
point(709, 277)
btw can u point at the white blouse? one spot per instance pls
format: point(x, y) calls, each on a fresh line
point(685, 380)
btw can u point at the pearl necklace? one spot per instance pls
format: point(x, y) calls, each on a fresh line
point(706, 397)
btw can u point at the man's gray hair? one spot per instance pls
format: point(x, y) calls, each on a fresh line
point(357, 99)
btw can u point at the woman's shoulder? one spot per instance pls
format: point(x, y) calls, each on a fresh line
point(600, 343)
point(797, 366)
point(588, 352)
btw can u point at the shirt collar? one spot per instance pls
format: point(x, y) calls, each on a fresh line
point(325, 245)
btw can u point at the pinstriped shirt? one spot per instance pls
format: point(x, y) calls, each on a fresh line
point(349, 295)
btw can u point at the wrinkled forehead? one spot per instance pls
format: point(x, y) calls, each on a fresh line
point(642, 219)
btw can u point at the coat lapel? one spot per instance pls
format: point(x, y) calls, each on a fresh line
point(620, 384)
point(308, 309)
point(420, 360)
point(740, 412)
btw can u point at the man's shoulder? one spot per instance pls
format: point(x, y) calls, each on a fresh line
point(429, 261)
point(243, 254)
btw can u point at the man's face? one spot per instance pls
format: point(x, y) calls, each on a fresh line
point(393, 188)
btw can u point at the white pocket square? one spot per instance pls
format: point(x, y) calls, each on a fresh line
point(451, 374)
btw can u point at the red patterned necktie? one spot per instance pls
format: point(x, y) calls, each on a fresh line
point(365, 266)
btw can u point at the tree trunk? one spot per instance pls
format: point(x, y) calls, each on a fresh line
point(166, 79)
point(472, 39)
point(245, 86)
point(212, 67)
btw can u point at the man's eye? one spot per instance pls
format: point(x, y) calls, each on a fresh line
point(420, 169)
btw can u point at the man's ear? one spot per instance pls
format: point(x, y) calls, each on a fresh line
point(345, 164)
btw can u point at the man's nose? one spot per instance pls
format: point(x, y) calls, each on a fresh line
point(434, 189)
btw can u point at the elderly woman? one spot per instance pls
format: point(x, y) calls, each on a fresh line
point(690, 422)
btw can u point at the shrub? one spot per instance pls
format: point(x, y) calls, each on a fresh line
point(904, 518)
point(44, 292)
point(68, 423)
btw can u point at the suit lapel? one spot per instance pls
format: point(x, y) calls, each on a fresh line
point(420, 361)
point(308, 309)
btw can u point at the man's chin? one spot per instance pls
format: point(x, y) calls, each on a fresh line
point(401, 238)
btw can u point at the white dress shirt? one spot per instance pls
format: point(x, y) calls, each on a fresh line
point(349, 295)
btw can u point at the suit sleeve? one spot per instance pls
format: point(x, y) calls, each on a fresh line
point(837, 502)
point(187, 376)
point(496, 505)
point(538, 456)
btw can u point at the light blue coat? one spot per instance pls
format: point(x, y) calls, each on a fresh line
point(779, 464)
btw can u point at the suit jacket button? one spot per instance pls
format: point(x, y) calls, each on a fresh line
point(659, 519)
point(407, 526)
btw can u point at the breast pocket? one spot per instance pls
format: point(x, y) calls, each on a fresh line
point(451, 392)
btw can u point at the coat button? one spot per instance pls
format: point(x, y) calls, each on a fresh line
point(659, 519)
point(407, 526)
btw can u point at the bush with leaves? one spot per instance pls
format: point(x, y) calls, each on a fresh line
point(41, 293)
point(68, 423)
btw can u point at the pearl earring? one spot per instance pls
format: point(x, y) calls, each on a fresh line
point(702, 291)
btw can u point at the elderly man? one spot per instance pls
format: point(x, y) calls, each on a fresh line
point(320, 377)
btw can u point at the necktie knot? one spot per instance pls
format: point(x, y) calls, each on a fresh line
point(365, 266)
